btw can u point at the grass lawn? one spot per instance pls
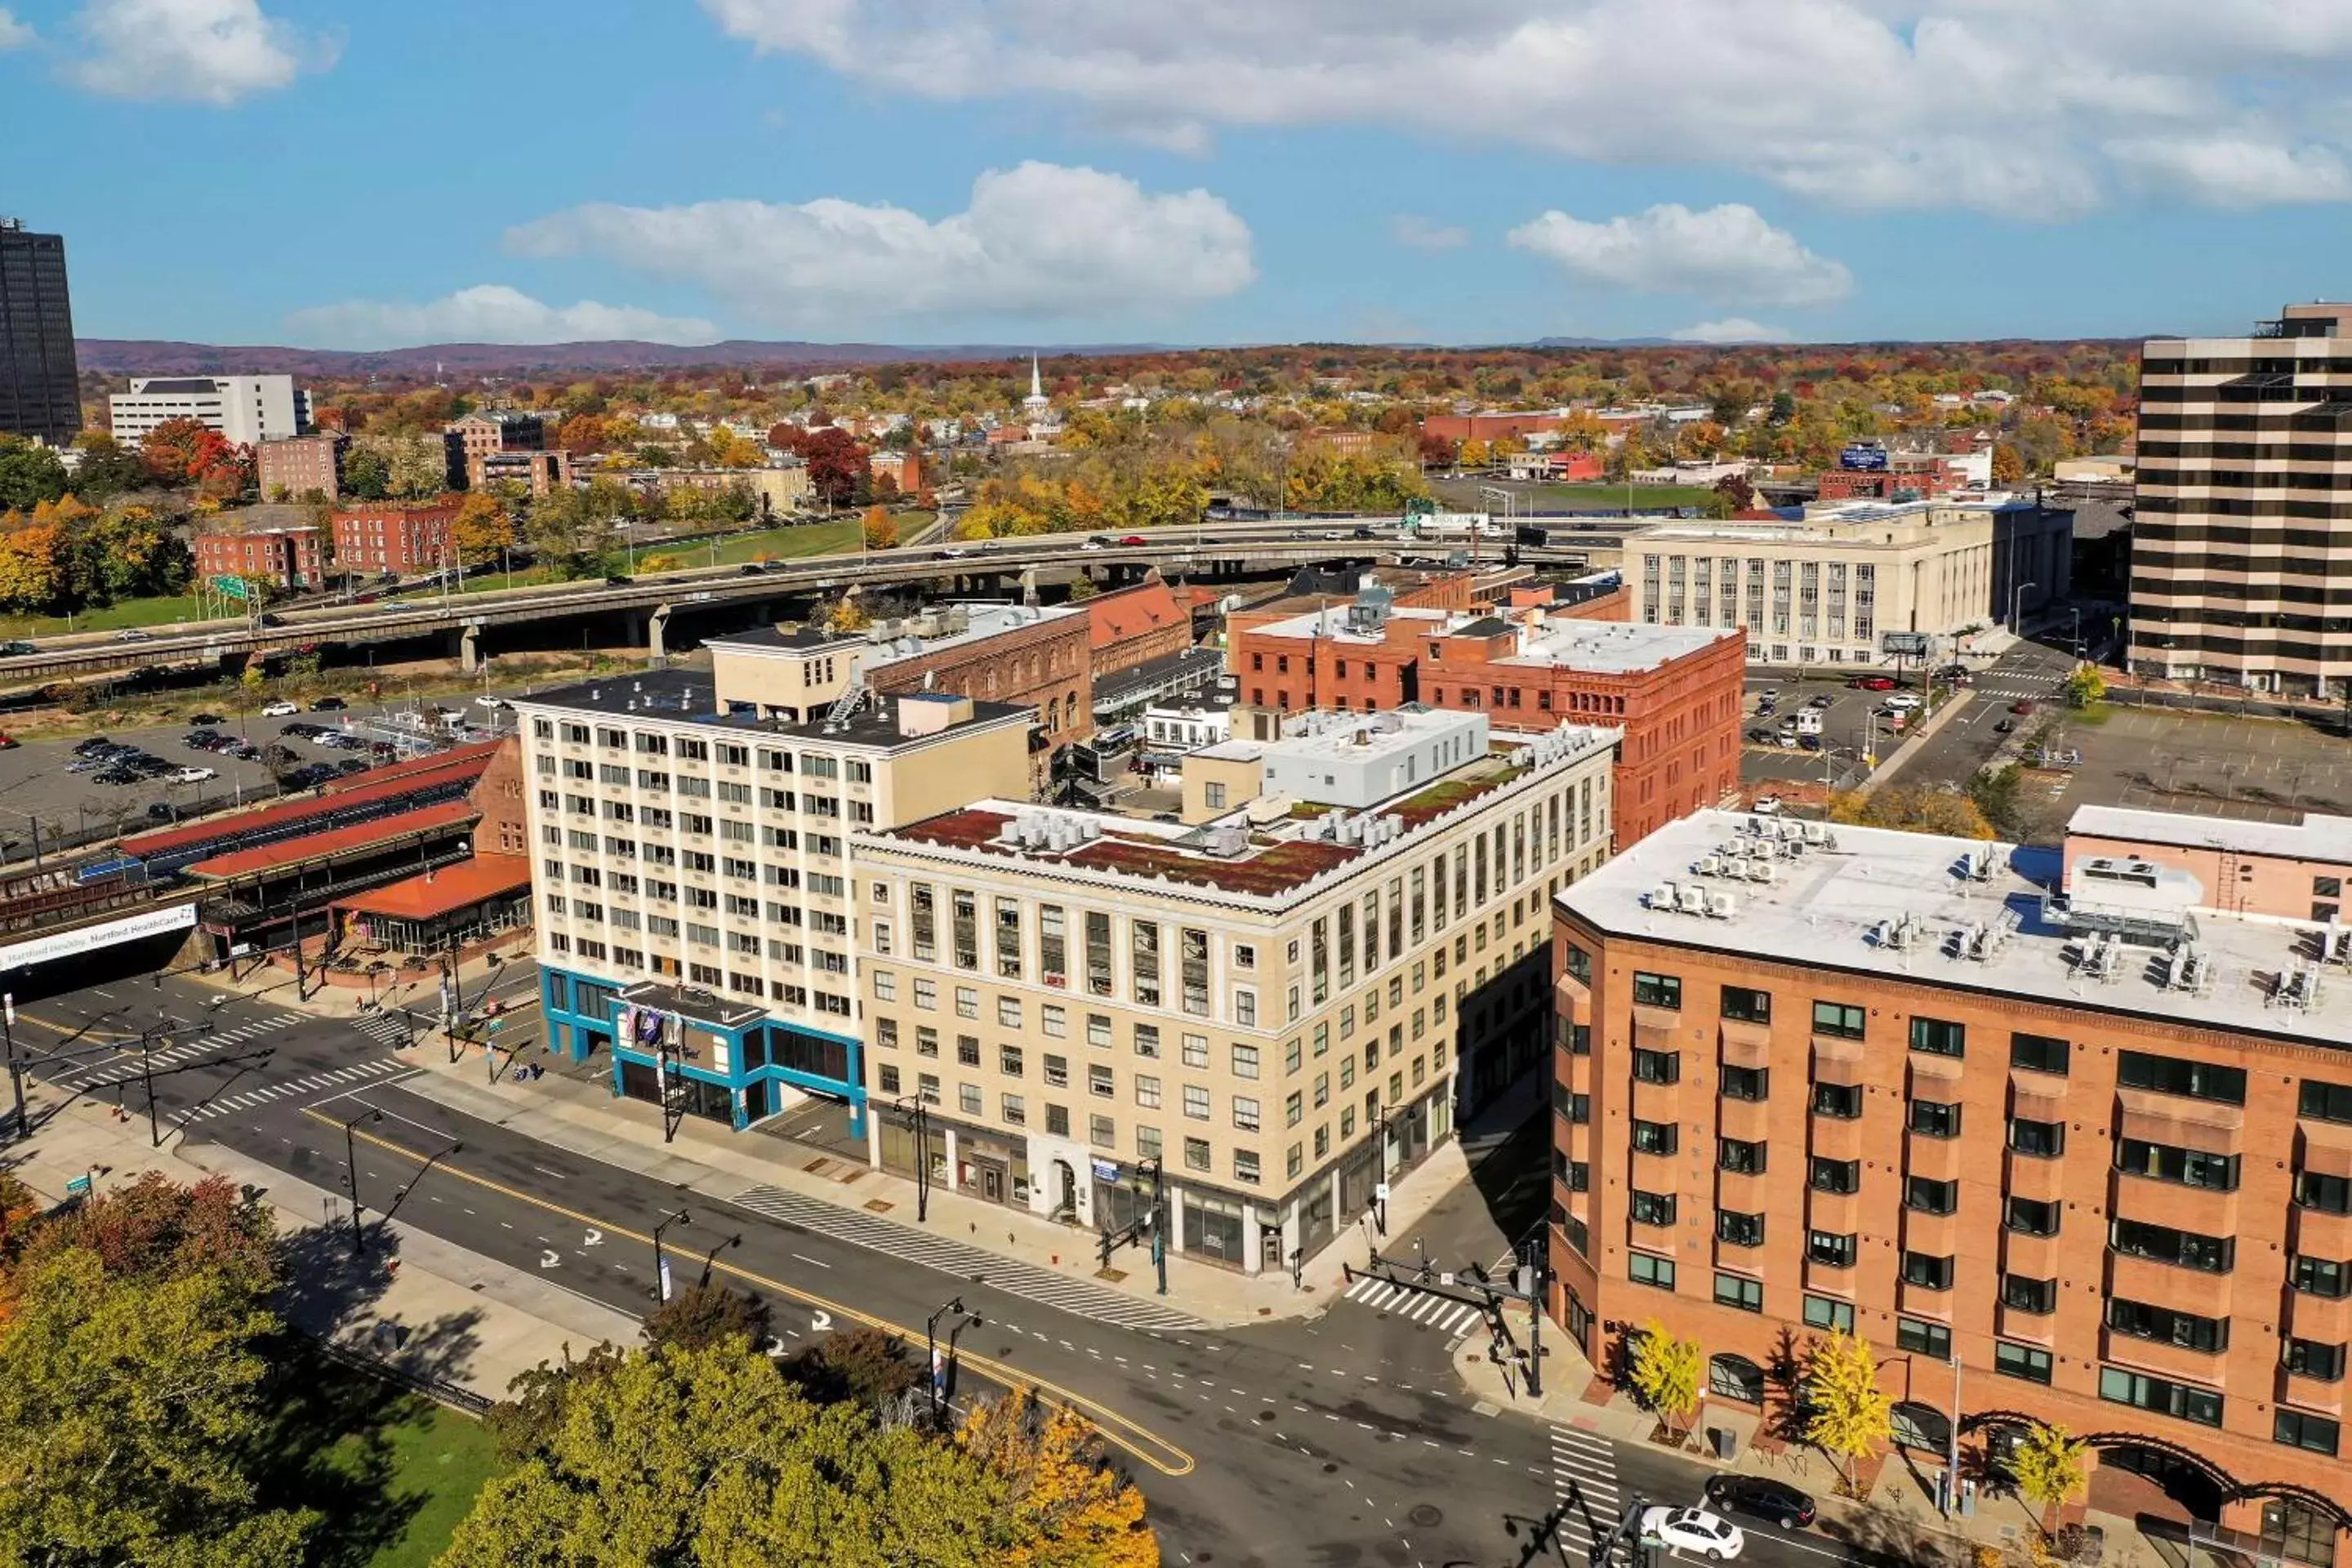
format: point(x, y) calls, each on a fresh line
point(768, 544)
point(126, 612)
point(435, 1458)
point(1575, 497)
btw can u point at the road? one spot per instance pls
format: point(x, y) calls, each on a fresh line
point(1343, 1440)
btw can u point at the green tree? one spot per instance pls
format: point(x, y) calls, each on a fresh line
point(132, 1411)
point(700, 1316)
point(2085, 686)
point(29, 474)
point(367, 475)
point(1851, 1416)
point(481, 529)
point(1667, 1373)
point(859, 1366)
point(2047, 1463)
point(1068, 1508)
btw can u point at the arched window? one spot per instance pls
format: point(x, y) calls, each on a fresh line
point(1735, 1377)
point(1918, 1425)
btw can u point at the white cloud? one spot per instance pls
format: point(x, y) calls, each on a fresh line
point(13, 34)
point(2012, 106)
point(1038, 241)
point(2229, 170)
point(487, 313)
point(202, 51)
point(1421, 234)
point(1732, 330)
point(1725, 252)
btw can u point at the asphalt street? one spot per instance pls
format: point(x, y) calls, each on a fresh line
point(1342, 1440)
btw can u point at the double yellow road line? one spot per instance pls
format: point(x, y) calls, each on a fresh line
point(1132, 1436)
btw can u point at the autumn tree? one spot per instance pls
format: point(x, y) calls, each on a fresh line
point(1851, 1416)
point(2085, 686)
point(1913, 810)
point(879, 529)
point(1668, 1373)
point(2047, 1463)
point(703, 1315)
point(481, 529)
point(108, 470)
point(847, 615)
point(179, 451)
point(32, 562)
point(837, 465)
point(729, 450)
point(861, 1365)
point(2008, 468)
point(1067, 1506)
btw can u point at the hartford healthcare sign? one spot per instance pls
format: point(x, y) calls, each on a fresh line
point(22, 955)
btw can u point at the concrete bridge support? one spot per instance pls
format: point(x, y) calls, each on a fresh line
point(470, 648)
point(1029, 585)
point(657, 631)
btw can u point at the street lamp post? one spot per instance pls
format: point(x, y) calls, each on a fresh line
point(661, 1265)
point(934, 1369)
point(16, 1068)
point(920, 1118)
point(2016, 625)
point(352, 1176)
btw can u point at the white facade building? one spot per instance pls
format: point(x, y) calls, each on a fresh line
point(244, 409)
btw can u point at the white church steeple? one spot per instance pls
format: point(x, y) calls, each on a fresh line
point(1036, 403)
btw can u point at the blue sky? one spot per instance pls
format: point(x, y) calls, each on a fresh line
point(347, 174)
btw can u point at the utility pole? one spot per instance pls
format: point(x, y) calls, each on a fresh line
point(935, 1370)
point(661, 1264)
point(351, 1177)
point(920, 1119)
point(147, 1038)
point(16, 1068)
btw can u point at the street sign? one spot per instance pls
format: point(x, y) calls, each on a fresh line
point(230, 587)
point(1382, 1192)
point(77, 1186)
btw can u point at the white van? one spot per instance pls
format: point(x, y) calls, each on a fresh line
point(1808, 722)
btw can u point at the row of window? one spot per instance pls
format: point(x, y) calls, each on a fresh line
point(693, 748)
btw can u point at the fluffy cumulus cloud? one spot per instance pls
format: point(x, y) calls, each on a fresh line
point(1725, 252)
point(1731, 329)
point(13, 34)
point(202, 51)
point(2023, 107)
point(1038, 242)
point(2231, 171)
point(1421, 234)
point(486, 313)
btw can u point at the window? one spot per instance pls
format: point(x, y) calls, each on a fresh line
point(1644, 1269)
point(1009, 1060)
point(1655, 1137)
point(1098, 1030)
point(2324, 1101)
point(967, 1002)
point(1098, 1081)
point(1832, 1250)
point(2046, 1140)
point(968, 1099)
point(1738, 1229)
point(1194, 1049)
point(1245, 1166)
point(1834, 1175)
point(1196, 1102)
point(1657, 1066)
point(1652, 1208)
point(1739, 1291)
point(2328, 1195)
point(1934, 1119)
point(926, 1040)
point(1246, 1113)
point(1196, 1153)
point(1747, 1083)
point(2164, 1163)
point(2297, 1430)
point(1830, 1313)
point(2037, 1053)
point(2309, 1358)
point(1008, 1013)
point(2321, 1277)
point(2032, 1217)
point(1741, 1155)
point(1146, 1142)
point(1146, 1091)
point(1939, 1037)
point(1147, 1040)
point(1058, 1072)
point(2146, 1321)
point(1931, 1197)
point(1657, 990)
point(1580, 963)
point(2182, 1249)
point(1842, 1101)
point(1246, 1061)
point(1922, 1338)
point(889, 1079)
point(2160, 1394)
point(1839, 1019)
point(2039, 1297)
point(1746, 1005)
point(2031, 1362)
point(1057, 1120)
point(1102, 1133)
point(2172, 1075)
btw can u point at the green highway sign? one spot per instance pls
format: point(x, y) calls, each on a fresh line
point(230, 587)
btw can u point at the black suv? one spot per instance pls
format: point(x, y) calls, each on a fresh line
point(1761, 1497)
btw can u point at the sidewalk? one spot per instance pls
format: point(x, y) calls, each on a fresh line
point(427, 1307)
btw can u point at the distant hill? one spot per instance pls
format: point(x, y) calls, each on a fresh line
point(139, 356)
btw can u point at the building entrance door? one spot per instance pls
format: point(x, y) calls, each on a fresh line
point(992, 1180)
point(1066, 1191)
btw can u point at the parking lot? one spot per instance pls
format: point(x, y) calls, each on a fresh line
point(1854, 723)
point(2260, 770)
point(45, 780)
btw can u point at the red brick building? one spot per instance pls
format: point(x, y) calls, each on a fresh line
point(904, 469)
point(1135, 626)
point(1675, 691)
point(538, 472)
point(299, 465)
point(395, 536)
point(289, 557)
point(1880, 484)
point(1460, 427)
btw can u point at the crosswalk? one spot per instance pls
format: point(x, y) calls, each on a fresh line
point(126, 1066)
point(384, 1028)
point(1446, 1315)
point(1584, 1475)
point(1077, 1296)
point(358, 1074)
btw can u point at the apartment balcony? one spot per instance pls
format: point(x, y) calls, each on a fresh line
point(1937, 1159)
point(2031, 1176)
point(1742, 1194)
point(2323, 1395)
point(2204, 1210)
point(2318, 1234)
point(1837, 1138)
point(2165, 1359)
point(1657, 1102)
point(2035, 1257)
point(2168, 1285)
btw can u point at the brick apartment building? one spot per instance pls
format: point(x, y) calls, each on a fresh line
point(538, 472)
point(289, 557)
point(496, 430)
point(1675, 691)
point(1885, 484)
point(298, 465)
point(2056, 1129)
point(395, 536)
point(1135, 625)
point(904, 469)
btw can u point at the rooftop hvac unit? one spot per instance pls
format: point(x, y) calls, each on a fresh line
point(1760, 871)
point(1660, 896)
point(1708, 866)
point(1721, 904)
point(1691, 898)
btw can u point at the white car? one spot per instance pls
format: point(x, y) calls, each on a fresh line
point(1694, 1529)
point(487, 700)
point(194, 776)
point(1903, 702)
point(280, 709)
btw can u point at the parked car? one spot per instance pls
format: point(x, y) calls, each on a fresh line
point(114, 776)
point(1824, 700)
point(1760, 1497)
point(194, 776)
point(1809, 743)
point(202, 720)
point(1133, 541)
point(1761, 735)
point(1092, 544)
point(198, 741)
point(1695, 1531)
point(1902, 702)
point(491, 700)
point(351, 765)
point(617, 580)
point(279, 709)
point(2005, 727)
point(162, 811)
point(1766, 804)
point(1872, 683)
point(244, 752)
point(9, 742)
point(2020, 706)
point(92, 747)
point(329, 705)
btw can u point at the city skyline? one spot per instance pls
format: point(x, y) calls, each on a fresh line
point(1799, 169)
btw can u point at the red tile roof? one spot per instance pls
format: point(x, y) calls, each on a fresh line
point(379, 783)
point(1131, 612)
point(337, 841)
point(446, 890)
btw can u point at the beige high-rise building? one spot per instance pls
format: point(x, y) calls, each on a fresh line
point(1274, 1003)
point(2244, 450)
point(1828, 590)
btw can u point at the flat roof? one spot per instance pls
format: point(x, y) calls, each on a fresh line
point(684, 697)
point(1828, 907)
point(984, 621)
point(1338, 736)
point(444, 889)
point(800, 639)
point(2318, 837)
point(1613, 647)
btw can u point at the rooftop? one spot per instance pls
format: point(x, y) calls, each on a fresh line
point(2317, 836)
point(1613, 647)
point(684, 697)
point(446, 890)
point(800, 639)
point(1922, 909)
point(334, 842)
point(981, 622)
point(1273, 848)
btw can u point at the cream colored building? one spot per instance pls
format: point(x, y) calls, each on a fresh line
point(691, 867)
point(1828, 589)
point(1279, 1003)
